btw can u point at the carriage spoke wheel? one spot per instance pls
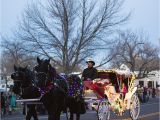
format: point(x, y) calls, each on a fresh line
point(134, 107)
point(68, 114)
point(103, 112)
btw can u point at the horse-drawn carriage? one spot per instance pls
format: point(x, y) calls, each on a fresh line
point(114, 89)
point(116, 92)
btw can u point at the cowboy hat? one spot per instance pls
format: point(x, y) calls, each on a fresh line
point(90, 60)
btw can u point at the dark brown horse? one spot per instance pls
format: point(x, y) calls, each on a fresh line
point(53, 88)
point(75, 101)
point(24, 87)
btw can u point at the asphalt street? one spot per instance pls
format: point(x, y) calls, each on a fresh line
point(149, 111)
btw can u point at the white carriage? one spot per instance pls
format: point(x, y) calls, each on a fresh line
point(116, 92)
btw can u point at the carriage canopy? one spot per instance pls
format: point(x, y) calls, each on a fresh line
point(115, 75)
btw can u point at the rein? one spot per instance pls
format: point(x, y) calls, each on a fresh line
point(50, 85)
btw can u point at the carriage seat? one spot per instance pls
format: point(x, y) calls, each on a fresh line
point(110, 88)
point(101, 81)
point(111, 93)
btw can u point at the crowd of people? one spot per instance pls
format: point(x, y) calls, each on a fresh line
point(145, 93)
point(8, 102)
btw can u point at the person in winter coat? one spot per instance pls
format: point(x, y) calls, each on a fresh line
point(3, 103)
point(90, 73)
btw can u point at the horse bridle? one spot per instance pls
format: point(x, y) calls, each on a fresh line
point(22, 88)
point(46, 74)
point(41, 73)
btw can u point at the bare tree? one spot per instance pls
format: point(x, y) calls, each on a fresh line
point(147, 59)
point(68, 31)
point(13, 54)
point(135, 51)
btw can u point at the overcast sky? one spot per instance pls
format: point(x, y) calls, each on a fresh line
point(144, 17)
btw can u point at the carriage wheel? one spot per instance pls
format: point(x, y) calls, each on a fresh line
point(68, 115)
point(103, 112)
point(134, 107)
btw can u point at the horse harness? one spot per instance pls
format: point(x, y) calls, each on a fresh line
point(50, 83)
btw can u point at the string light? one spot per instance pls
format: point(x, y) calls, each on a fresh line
point(75, 86)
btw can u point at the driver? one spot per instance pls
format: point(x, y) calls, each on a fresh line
point(90, 73)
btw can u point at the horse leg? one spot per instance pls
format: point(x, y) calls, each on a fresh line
point(71, 116)
point(58, 115)
point(34, 113)
point(50, 117)
point(28, 117)
point(29, 114)
point(54, 116)
point(77, 116)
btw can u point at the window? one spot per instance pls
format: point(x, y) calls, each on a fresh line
point(141, 83)
point(157, 85)
point(150, 84)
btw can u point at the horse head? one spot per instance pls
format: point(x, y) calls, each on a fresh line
point(23, 79)
point(45, 73)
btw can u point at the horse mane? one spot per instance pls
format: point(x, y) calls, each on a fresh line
point(52, 72)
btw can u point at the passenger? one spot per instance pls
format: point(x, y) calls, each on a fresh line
point(124, 89)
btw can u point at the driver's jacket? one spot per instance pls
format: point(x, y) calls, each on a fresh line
point(89, 73)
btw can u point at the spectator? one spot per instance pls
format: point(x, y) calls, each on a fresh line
point(144, 94)
point(13, 101)
point(153, 93)
point(157, 92)
point(3, 106)
point(140, 92)
point(124, 88)
point(149, 91)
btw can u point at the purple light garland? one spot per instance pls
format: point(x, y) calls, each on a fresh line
point(75, 88)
